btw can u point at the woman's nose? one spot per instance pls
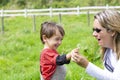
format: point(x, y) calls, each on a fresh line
point(94, 33)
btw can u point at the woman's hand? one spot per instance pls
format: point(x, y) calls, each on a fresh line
point(79, 59)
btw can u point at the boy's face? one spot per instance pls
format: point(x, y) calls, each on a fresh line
point(54, 41)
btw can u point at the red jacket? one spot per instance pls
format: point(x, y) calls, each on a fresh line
point(48, 63)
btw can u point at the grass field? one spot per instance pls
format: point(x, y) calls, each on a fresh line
point(20, 46)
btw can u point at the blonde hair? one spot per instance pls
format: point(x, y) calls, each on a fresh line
point(110, 20)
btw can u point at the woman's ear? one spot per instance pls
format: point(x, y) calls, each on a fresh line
point(113, 33)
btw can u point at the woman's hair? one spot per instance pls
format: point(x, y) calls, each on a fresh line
point(110, 20)
point(49, 29)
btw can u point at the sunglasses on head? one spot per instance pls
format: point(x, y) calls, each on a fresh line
point(96, 29)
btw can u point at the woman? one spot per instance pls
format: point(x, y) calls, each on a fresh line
point(107, 31)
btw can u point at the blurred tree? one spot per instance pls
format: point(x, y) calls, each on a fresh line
point(34, 4)
point(117, 2)
point(43, 3)
point(50, 1)
point(92, 2)
point(16, 4)
point(21, 3)
point(4, 2)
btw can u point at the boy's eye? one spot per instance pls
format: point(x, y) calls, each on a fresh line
point(59, 39)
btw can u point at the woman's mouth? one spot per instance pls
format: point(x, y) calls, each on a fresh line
point(99, 41)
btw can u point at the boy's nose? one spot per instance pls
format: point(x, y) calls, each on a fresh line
point(60, 41)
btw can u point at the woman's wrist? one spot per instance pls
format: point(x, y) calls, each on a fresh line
point(83, 62)
point(86, 64)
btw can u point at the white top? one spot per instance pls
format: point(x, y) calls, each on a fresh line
point(59, 74)
point(105, 74)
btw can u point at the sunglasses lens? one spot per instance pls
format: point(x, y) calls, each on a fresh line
point(96, 29)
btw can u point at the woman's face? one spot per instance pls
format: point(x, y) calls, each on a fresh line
point(104, 37)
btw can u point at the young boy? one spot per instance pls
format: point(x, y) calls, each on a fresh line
point(51, 63)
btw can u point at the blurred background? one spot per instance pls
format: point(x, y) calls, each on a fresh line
point(20, 44)
point(30, 4)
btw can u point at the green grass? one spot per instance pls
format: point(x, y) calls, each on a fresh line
point(20, 46)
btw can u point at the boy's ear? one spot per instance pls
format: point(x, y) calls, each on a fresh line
point(44, 38)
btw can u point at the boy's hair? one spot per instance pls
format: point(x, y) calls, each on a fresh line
point(49, 29)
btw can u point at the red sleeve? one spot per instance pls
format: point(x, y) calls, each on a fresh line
point(48, 63)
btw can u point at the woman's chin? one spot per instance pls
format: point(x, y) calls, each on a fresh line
point(100, 45)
